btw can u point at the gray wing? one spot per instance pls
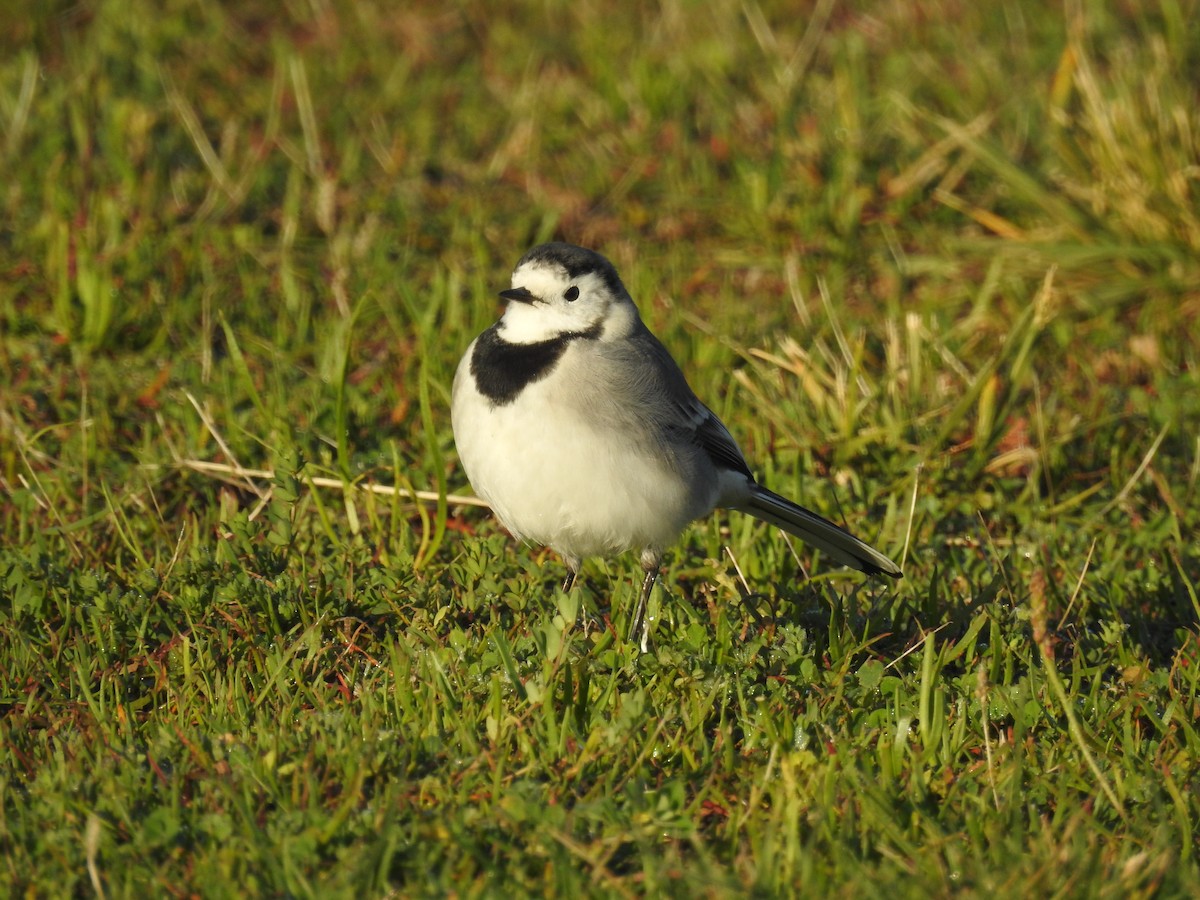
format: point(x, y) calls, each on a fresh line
point(714, 438)
point(673, 409)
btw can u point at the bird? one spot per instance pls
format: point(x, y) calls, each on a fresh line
point(577, 427)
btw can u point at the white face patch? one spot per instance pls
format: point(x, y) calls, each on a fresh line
point(563, 305)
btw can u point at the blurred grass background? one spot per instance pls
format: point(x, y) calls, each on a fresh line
point(936, 265)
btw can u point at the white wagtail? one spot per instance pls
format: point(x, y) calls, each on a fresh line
point(578, 428)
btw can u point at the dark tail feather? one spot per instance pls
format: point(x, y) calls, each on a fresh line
point(818, 532)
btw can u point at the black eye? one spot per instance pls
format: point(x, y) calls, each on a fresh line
point(571, 293)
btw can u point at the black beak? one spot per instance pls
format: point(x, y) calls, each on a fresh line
point(520, 295)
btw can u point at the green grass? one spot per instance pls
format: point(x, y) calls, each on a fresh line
point(939, 271)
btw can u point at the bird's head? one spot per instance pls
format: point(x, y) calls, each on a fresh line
point(562, 289)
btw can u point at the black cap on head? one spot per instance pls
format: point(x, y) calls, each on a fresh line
point(575, 261)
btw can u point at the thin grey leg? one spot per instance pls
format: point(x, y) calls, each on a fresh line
point(651, 560)
point(581, 620)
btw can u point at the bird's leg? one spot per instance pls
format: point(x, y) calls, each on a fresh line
point(651, 560)
point(641, 621)
point(567, 585)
